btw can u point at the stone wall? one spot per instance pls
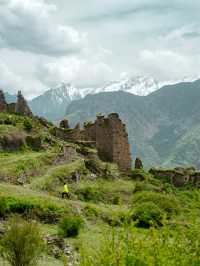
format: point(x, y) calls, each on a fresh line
point(109, 135)
point(178, 176)
point(20, 107)
point(111, 139)
point(3, 104)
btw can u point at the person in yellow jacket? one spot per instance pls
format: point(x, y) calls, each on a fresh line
point(65, 191)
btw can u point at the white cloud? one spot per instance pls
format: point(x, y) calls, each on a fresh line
point(9, 79)
point(88, 43)
point(80, 72)
point(168, 64)
point(30, 26)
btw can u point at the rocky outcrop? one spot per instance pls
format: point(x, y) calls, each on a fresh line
point(57, 247)
point(12, 142)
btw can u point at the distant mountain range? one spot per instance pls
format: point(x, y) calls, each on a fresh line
point(53, 103)
point(163, 127)
point(163, 123)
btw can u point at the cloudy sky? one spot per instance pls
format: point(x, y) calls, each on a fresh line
point(91, 42)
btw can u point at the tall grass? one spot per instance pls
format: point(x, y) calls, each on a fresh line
point(166, 246)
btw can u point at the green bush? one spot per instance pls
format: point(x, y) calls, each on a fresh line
point(9, 121)
point(91, 212)
point(166, 202)
point(70, 226)
point(47, 213)
point(3, 207)
point(22, 244)
point(27, 125)
point(146, 186)
point(147, 214)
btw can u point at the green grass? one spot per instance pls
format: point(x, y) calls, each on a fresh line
point(28, 163)
point(55, 176)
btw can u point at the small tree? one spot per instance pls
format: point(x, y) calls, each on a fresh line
point(22, 243)
point(70, 226)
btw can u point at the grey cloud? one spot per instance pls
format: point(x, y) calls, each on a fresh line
point(49, 41)
point(191, 35)
point(35, 30)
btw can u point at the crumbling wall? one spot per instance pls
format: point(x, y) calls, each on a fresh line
point(111, 139)
point(3, 104)
point(22, 106)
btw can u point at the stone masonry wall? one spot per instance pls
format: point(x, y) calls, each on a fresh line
point(111, 140)
point(3, 104)
point(20, 107)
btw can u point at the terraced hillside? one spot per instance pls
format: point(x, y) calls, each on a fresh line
point(125, 220)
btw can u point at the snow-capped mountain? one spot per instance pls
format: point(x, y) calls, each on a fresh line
point(53, 103)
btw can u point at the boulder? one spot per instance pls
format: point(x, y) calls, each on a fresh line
point(57, 247)
point(12, 141)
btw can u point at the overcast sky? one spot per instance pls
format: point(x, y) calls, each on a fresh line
point(91, 42)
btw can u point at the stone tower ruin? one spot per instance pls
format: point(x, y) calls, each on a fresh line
point(21, 106)
point(3, 104)
point(111, 139)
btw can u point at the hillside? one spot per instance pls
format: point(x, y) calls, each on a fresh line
point(34, 165)
point(162, 127)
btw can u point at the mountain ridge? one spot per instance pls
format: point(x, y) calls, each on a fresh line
point(157, 123)
point(52, 103)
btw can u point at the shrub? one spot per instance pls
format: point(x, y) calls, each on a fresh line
point(27, 125)
point(166, 202)
point(9, 121)
point(21, 244)
point(147, 214)
point(3, 207)
point(91, 212)
point(70, 226)
point(145, 186)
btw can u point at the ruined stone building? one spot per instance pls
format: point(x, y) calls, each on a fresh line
point(110, 136)
point(20, 107)
point(111, 139)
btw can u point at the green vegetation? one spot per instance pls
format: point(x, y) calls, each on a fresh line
point(70, 226)
point(110, 218)
point(22, 244)
point(167, 246)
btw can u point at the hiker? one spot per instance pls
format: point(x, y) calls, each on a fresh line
point(65, 191)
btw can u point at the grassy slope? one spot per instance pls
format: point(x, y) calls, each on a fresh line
point(102, 203)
